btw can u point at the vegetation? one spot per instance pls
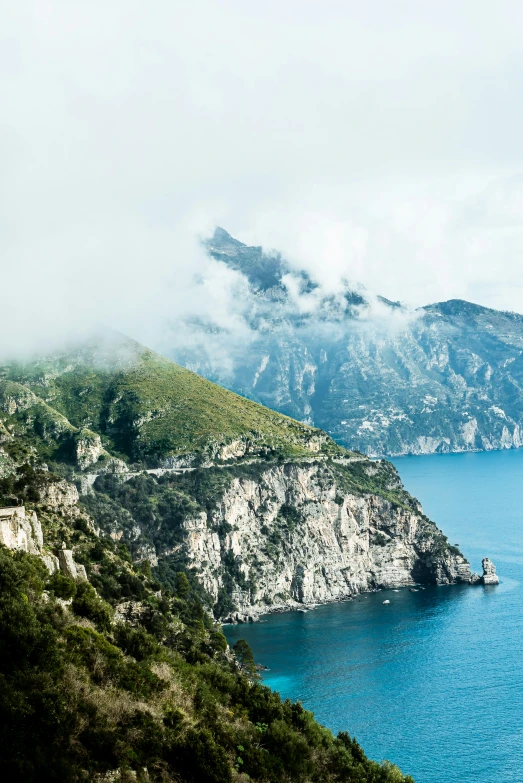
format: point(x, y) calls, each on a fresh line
point(82, 695)
point(146, 407)
point(129, 671)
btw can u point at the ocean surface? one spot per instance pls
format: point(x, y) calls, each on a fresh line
point(433, 681)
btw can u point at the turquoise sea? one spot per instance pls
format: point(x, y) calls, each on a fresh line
point(433, 681)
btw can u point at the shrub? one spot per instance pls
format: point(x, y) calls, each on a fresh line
point(87, 604)
point(135, 641)
point(198, 759)
point(62, 586)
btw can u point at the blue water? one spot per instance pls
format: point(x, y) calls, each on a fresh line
point(434, 681)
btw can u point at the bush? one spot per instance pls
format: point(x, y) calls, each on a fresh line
point(62, 586)
point(198, 759)
point(135, 641)
point(87, 604)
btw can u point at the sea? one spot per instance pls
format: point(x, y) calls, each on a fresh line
point(432, 681)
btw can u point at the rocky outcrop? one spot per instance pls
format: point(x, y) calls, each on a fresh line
point(88, 448)
point(58, 494)
point(489, 572)
point(68, 565)
point(293, 536)
point(22, 531)
point(89, 451)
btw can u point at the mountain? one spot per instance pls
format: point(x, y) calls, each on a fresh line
point(378, 377)
point(113, 671)
point(264, 511)
point(137, 500)
point(146, 408)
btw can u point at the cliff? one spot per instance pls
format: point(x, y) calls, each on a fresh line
point(191, 500)
point(296, 536)
point(263, 512)
point(262, 538)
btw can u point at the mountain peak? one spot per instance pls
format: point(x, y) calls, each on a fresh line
point(263, 270)
point(222, 238)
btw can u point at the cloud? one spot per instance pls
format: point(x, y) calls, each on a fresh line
point(376, 142)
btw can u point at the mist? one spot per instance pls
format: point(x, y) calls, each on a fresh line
point(378, 145)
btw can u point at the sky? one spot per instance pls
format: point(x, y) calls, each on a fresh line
point(378, 142)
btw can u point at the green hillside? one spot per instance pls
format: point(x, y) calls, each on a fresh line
point(86, 695)
point(126, 676)
point(147, 408)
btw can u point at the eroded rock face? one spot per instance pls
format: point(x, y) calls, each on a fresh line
point(67, 564)
point(59, 493)
point(88, 448)
point(489, 572)
point(331, 546)
point(147, 551)
point(19, 530)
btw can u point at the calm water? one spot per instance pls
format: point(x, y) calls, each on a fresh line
point(434, 681)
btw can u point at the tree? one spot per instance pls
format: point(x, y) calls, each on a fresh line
point(182, 585)
point(245, 658)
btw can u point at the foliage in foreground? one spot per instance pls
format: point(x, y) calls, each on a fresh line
point(159, 700)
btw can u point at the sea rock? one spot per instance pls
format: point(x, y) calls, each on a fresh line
point(489, 572)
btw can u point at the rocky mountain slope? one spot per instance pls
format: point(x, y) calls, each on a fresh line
point(377, 377)
point(107, 676)
point(113, 671)
point(260, 511)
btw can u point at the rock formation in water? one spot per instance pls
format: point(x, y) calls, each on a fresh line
point(489, 572)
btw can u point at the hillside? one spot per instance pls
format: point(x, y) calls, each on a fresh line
point(112, 667)
point(378, 377)
point(146, 408)
point(263, 512)
point(106, 675)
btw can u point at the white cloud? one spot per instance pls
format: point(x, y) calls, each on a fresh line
point(380, 142)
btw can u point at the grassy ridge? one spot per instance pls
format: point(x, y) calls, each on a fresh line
point(147, 408)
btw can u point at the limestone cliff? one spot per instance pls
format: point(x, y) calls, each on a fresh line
point(332, 545)
point(20, 531)
point(261, 511)
point(301, 533)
